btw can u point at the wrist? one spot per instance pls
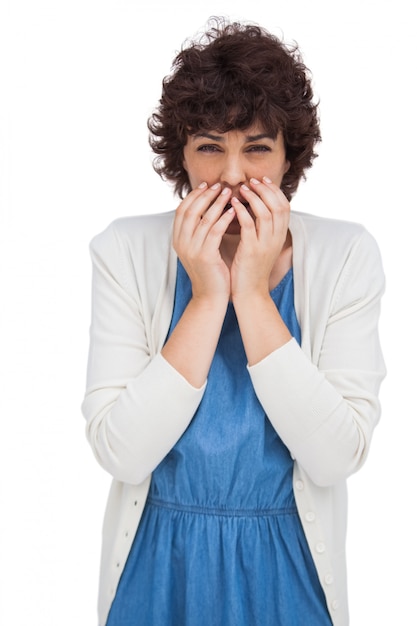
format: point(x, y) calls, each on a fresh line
point(261, 325)
point(211, 303)
point(252, 298)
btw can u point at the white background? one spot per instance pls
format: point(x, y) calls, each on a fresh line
point(78, 81)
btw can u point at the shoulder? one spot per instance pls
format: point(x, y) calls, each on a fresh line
point(131, 250)
point(331, 239)
point(336, 253)
point(147, 233)
point(321, 228)
point(144, 224)
point(136, 228)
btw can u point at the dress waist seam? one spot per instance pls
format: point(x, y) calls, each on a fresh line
point(219, 511)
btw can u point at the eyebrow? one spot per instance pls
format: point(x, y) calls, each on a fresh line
point(248, 138)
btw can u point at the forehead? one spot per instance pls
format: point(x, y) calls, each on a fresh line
point(255, 132)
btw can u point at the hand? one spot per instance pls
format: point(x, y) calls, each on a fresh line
point(262, 236)
point(199, 226)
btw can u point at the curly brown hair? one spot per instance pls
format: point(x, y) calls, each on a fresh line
point(232, 77)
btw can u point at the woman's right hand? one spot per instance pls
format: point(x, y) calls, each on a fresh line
point(200, 224)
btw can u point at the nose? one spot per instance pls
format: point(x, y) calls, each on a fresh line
point(233, 172)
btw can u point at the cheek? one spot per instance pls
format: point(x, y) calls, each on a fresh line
point(283, 170)
point(201, 173)
point(194, 179)
point(190, 171)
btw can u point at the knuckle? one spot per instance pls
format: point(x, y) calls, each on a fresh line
point(205, 220)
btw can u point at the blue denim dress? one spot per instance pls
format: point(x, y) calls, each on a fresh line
point(220, 542)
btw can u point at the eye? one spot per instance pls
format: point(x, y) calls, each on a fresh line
point(209, 147)
point(259, 148)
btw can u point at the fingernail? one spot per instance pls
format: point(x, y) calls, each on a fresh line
point(215, 186)
point(254, 181)
point(267, 180)
point(225, 191)
point(202, 185)
point(245, 187)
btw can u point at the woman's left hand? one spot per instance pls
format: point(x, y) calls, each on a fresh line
point(264, 229)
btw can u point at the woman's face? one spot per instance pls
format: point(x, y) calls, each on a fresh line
point(233, 158)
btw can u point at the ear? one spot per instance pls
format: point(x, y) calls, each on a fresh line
point(184, 162)
point(287, 166)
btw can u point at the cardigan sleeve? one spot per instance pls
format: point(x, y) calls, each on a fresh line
point(136, 404)
point(326, 412)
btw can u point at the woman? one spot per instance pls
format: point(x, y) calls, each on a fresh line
point(234, 362)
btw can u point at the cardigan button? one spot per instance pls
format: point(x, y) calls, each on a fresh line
point(310, 516)
point(328, 579)
point(299, 485)
point(335, 605)
point(320, 547)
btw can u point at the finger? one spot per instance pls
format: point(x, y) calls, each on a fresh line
point(200, 216)
point(269, 205)
point(246, 220)
point(193, 207)
point(261, 213)
point(207, 238)
point(212, 215)
point(202, 222)
point(271, 194)
point(214, 235)
point(185, 205)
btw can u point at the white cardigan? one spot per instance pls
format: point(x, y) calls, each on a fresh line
point(321, 398)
